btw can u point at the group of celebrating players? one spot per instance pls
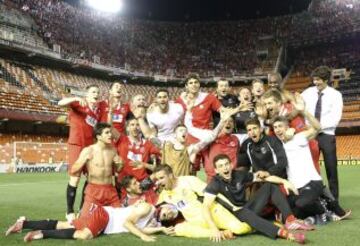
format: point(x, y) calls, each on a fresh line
point(259, 149)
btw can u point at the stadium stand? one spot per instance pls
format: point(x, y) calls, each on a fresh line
point(32, 148)
point(212, 49)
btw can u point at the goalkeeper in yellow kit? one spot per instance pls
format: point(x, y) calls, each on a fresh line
point(183, 195)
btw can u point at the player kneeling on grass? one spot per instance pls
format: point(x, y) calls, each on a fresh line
point(138, 219)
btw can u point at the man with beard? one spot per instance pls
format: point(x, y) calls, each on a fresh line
point(275, 107)
point(262, 152)
point(162, 117)
point(136, 152)
point(132, 192)
point(84, 114)
point(184, 194)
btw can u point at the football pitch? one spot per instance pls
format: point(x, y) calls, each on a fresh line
point(42, 196)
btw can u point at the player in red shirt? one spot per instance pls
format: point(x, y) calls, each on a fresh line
point(136, 151)
point(113, 111)
point(225, 143)
point(275, 107)
point(84, 114)
point(203, 104)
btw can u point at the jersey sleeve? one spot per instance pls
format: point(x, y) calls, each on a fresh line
point(75, 106)
point(103, 112)
point(301, 139)
point(196, 184)
point(242, 156)
point(249, 178)
point(279, 169)
point(215, 103)
point(212, 188)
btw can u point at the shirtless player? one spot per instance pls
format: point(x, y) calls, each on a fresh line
point(100, 159)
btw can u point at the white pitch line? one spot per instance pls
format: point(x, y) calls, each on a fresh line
point(30, 183)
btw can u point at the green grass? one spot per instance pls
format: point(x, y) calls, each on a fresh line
point(40, 196)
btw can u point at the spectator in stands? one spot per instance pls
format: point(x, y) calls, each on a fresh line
point(326, 104)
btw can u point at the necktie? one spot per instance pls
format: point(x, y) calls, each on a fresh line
point(318, 106)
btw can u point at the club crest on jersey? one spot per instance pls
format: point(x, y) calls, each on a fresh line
point(90, 121)
point(232, 144)
point(263, 150)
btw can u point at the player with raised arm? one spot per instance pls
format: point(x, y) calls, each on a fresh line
point(84, 114)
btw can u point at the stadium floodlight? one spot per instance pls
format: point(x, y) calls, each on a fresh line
point(112, 6)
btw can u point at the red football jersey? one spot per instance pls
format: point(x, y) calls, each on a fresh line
point(118, 117)
point(205, 104)
point(130, 152)
point(226, 144)
point(82, 121)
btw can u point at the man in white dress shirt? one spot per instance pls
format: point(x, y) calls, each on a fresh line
point(326, 104)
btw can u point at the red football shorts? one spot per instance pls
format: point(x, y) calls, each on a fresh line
point(102, 195)
point(96, 220)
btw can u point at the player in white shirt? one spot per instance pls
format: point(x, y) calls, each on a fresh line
point(300, 170)
point(138, 219)
point(161, 118)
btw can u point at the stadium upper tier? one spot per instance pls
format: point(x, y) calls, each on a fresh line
point(210, 48)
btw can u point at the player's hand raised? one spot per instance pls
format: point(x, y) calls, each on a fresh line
point(81, 101)
point(298, 103)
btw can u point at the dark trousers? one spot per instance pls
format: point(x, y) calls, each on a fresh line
point(251, 211)
point(307, 203)
point(327, 145)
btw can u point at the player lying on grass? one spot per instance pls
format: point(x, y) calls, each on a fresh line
point(138, 219)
